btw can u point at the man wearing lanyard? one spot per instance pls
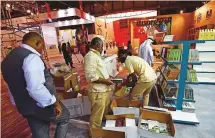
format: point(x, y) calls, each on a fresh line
point(146, 76)
point(32, 89)
point(99, 82)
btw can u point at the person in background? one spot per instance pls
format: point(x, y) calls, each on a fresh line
point(145, 51)
point(129, 48)
point(146, 76)
point(88, 47)
point(32, 89)
point(99, 82)
point(59, 47)
point(83, 49)
point(66, 54)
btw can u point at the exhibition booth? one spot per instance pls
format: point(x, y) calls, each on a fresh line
point(183, 50)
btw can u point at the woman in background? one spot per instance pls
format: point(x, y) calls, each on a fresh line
point(66, 54)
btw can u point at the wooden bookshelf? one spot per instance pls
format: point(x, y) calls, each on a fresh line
point(193, 33)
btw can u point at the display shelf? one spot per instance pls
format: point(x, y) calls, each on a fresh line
point(209, 51)
point(183, 72)
point(179, 62)
point(157, 62)
point(208, 61)
point(206, 51)
point(189, 41)
point(174, 99)
point(192, 82)
point(209, 83)
point(168, 81)
point(205, 71)
point(179, 116)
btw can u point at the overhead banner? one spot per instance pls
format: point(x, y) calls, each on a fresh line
point(157, 25)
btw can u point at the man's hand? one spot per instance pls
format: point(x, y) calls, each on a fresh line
point(109, 82)
point(58, 109)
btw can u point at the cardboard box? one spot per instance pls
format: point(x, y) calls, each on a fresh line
point(124, 102)
point(128, 120)
point(67, 95)
point(78, 106)
point(160, 116)
point(65, 81)
point(135, 132)
point(126, 110)
point(101, 133)
point(75, 81)
point(62, 81)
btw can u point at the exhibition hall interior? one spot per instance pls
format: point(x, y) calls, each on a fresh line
point(107, 69)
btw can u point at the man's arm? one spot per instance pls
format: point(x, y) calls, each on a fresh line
point(33, 68)
point(130, 68)
point(90, 66)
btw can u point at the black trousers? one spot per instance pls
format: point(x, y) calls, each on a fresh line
point(40, 123)
point(68, 59)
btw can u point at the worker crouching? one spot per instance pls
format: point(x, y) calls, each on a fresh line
point(138, 67)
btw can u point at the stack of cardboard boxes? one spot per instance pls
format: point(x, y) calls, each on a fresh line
point(68, 87)
point(127, 118)
point(67, 84)
point(131, 128)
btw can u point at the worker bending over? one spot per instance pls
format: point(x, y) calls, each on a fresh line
point(146, 76)
point(99, 82)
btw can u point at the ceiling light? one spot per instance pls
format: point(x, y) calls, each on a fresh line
point(8, 5)
point(28, 11)
point(67, 22)
point(59, 23)
point(123, 14)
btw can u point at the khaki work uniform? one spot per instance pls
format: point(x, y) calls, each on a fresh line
point(146, 78)
point(98, 94)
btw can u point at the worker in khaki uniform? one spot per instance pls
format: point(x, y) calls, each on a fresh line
point(99, 82)
point(146, 75)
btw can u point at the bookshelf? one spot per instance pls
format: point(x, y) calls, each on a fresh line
point(193, 33)
point(181, 82)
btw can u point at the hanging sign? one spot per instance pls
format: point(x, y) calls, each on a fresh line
point(155, 25)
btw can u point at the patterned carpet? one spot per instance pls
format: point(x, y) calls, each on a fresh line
point(14, 126)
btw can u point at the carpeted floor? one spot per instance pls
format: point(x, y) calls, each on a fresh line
point(14, 126)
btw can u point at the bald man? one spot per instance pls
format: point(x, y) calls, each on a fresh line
point(32, 89)
point(99, 82)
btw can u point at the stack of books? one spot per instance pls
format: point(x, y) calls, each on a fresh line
point(174, 55)
point(171, 72)
point(188, 93)
point(170, 90)
point(193, 55)
point(191, 75)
